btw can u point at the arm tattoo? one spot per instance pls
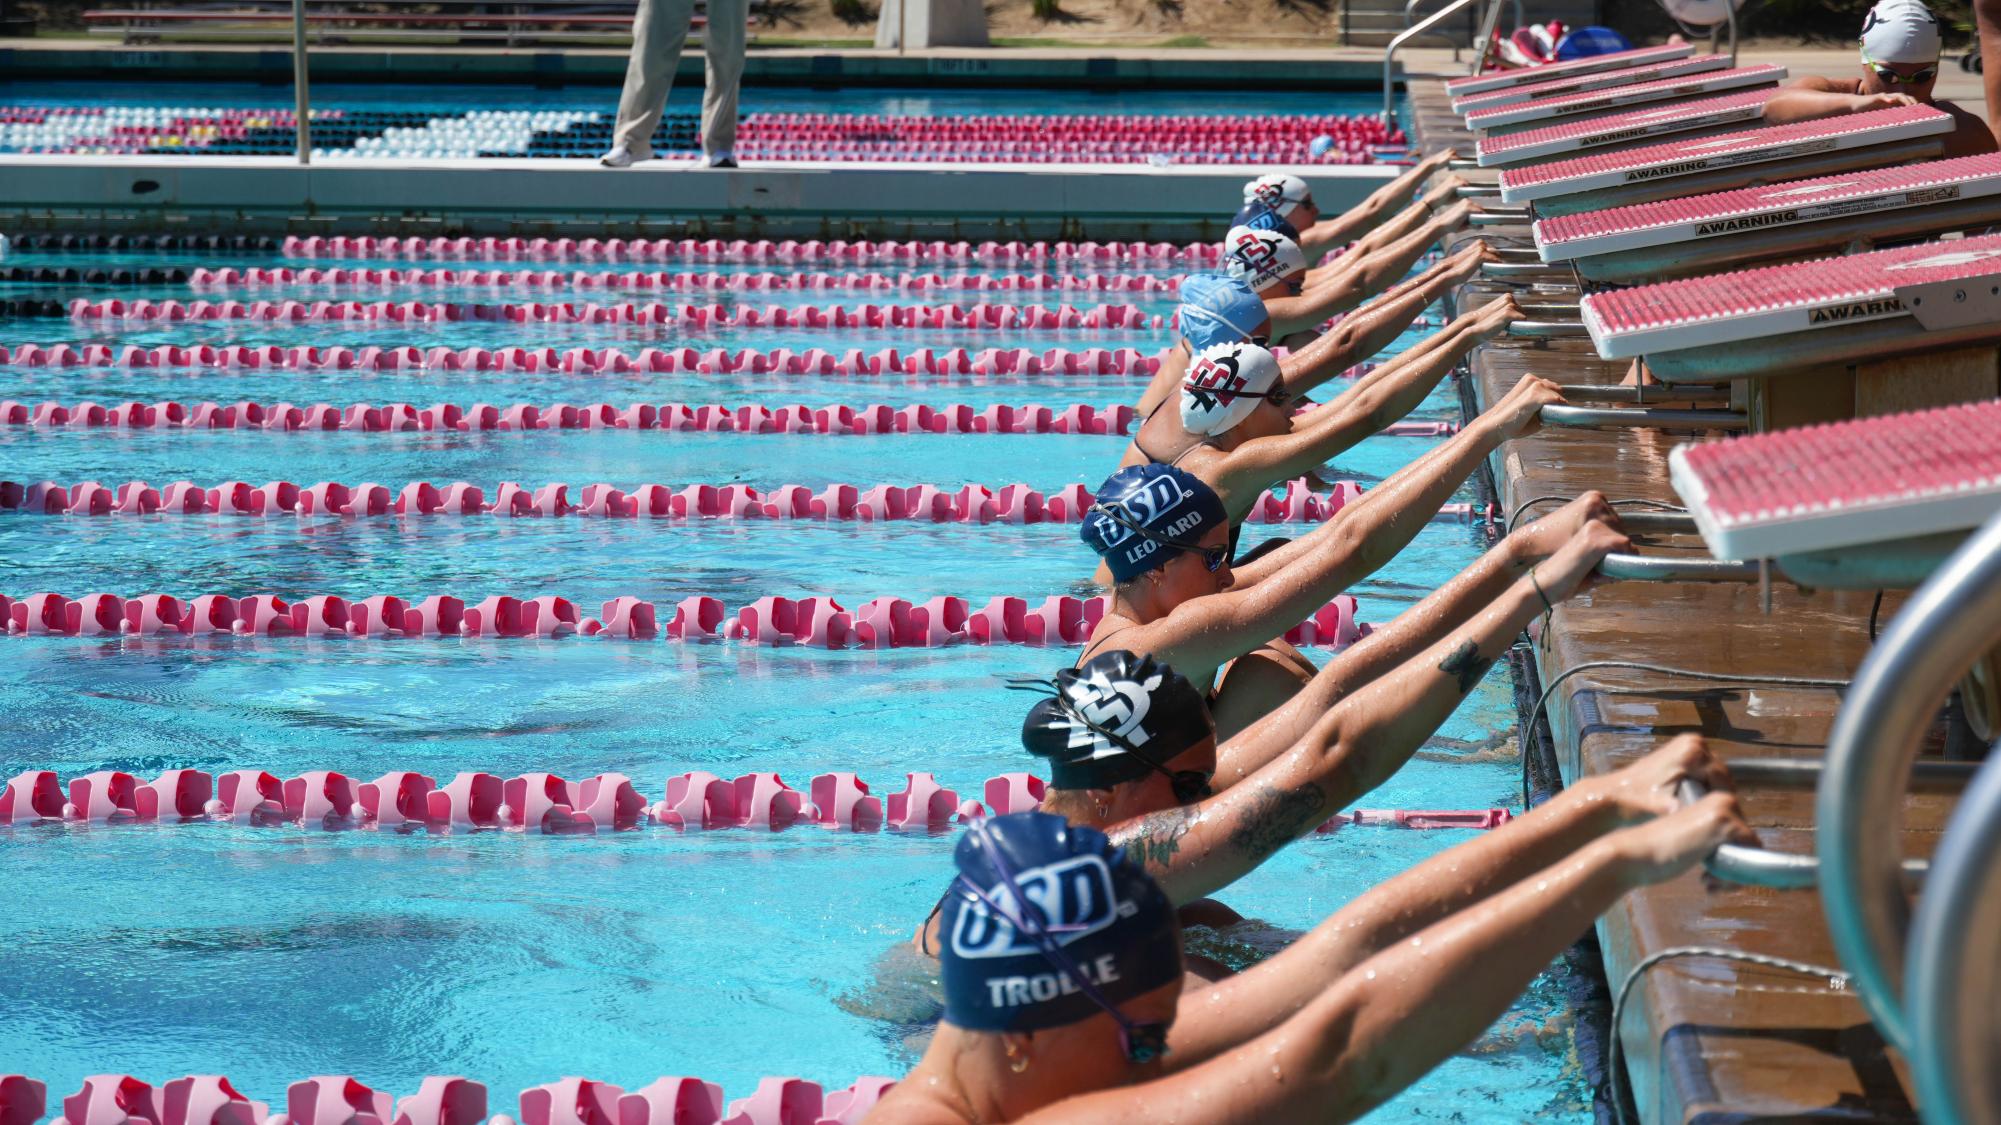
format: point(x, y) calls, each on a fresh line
point(1156, 839)
point(1277, 818)
point(1466, 663)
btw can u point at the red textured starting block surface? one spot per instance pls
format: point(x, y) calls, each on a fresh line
point(1583, 83)
point(1472, 84)
point(1733, 109)
point(1673, 159)
point(1778, 300)
point(1845, 484)
point(1598, 101)
point(1791, 203)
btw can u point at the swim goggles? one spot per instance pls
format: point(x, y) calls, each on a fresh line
point(1141, 1042)
point(1890, 77)
point(1277, 396)
point(1114, 510)
point(1189, 786)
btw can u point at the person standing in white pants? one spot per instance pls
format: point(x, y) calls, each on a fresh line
point(658, 33)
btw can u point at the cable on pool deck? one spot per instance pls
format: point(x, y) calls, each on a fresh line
point(1537, 713)
point(1837, 980)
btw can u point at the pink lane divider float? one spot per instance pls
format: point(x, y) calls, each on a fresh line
point(975, 317)
point(605, 361)
point(973, 503)
point(740, 250)
point(23, 1101)
point(216, 279)
point(818, 622)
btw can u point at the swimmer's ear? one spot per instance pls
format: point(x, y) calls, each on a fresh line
point(1101, 799)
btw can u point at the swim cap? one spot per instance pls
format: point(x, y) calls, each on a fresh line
point(1118, 718)
point(1257, 216)
point(1278, 191)
point(1900, 31)
point(1225, 383)
point(1215, 309)
point(1171, 504)
point(1260, 257)
point(1048, 924)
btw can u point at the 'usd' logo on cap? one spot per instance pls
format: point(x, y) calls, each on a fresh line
point(1074, 897)
point(1143, 506)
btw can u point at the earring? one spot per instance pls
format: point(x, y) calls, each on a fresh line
point(1016, 1060)
point(1103, 811)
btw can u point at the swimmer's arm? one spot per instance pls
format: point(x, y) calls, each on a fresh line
point(1166, 381)
point(1368, 533)
point(1367, 275)
point(1812, 98)
point(1373, 327)
point(1367, 216)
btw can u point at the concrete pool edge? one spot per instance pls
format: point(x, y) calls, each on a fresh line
point(276, 195)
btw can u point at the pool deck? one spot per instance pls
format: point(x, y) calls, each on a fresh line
point(1706, 1040)
point(526, 197)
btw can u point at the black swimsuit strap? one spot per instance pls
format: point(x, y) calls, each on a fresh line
point(1089, 648)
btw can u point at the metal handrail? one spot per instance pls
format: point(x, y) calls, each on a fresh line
point(1660, 418)
point(1410, 12)
point(1628, 567)
point(1389, 115)
point(1950, 986)
point(303, 97)
point(1947, 623)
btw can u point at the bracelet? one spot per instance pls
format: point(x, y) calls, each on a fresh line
point(1546, 607)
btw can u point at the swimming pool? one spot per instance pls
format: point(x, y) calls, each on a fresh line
point(270, 954)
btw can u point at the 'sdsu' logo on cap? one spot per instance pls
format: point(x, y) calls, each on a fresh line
point(1269, 193)
point(1075, 899)
point(1119, 706)
point(1214, 381)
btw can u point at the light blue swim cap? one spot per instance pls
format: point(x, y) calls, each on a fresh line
point(1218, 310)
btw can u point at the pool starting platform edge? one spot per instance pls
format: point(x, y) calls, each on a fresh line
point(539, 196)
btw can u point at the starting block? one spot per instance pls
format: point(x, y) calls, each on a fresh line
point(1526, 115)
point(1584, 83)
point(1682, 237)
point(1615, 132)
point(1457, 88)
point(1689, 166)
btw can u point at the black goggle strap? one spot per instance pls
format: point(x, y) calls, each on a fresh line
point(1277, 395)
point(1029, 923)
point(1069, 709)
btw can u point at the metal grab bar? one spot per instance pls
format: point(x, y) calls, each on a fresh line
point(1627, 567)
point(1495, 217)
point(1640, 396)
point(1927, 776)
point(1644, 417)
point(1476, 191)
point(1947, 623)
point(1410, 33)
point(1753, 867)
point(1548, 329)
point(1505, 270)
point(1950, 987)
point(1658, 523)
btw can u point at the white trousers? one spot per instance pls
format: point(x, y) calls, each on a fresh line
point(658, 33)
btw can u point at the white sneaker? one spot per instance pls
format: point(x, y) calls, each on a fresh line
point(723, 159)
point(619, 157)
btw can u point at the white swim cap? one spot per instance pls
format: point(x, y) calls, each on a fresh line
point(1281, 192)
point(1260, 257)
point(1224, 384)
point(1900, 31)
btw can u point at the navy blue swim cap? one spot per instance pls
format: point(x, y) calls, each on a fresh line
point(1048, 924)
point(1116, 719)
point(1257, 216)
point(1171, 508)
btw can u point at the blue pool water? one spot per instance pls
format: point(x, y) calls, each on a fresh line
point(272, 954)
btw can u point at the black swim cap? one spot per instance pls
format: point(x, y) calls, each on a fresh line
point(1048, 924)
point(1257, 216)
point(1116, 719)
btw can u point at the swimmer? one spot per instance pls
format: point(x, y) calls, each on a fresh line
point(1366, 270)
point(1131, 748)
point(1900, 55)
point(1065, 1000)
point(1166, 539)
point(1290, 198)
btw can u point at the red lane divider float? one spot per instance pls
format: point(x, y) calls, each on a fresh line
point(205, 279)
point(973, 503)
point(404, 800)
point(816, 622)
point(599, 361)
point(208, 1099)
point(1202, 254)
point(403, 417)
point(980, 317)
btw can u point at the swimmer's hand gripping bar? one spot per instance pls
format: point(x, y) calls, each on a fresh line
point(1762, 867)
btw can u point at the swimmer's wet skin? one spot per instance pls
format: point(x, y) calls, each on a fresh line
point(1130, 747)
point(1901, 41)
point(1064, 999)
point(1164, 536)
